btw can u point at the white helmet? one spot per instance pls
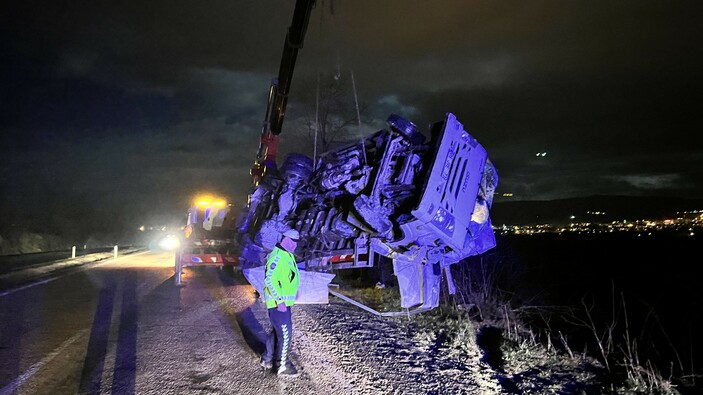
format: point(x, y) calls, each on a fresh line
point(292, 234)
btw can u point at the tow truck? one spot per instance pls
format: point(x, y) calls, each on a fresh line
point(394, 197)
point(208, 236)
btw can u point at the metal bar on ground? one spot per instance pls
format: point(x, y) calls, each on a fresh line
point(370, 310)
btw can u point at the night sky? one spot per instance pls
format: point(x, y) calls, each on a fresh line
point(120, 112)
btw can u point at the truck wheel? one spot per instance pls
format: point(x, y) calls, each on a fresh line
point(406, 129)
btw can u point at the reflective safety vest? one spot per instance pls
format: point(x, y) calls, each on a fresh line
point(281, 278)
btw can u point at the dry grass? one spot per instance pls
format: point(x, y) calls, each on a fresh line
point(527, 355)
point(624, 370)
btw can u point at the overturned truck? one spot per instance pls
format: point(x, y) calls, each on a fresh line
point(391, 198)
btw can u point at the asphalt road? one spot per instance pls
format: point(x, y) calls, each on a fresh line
point(121, 326)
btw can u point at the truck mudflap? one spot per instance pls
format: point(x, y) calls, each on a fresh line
point(419, 284)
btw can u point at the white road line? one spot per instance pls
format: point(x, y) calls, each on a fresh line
point(16, 383)
point(44, 281)
point(50, 279)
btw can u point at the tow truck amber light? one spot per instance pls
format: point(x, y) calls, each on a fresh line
point(209, 201)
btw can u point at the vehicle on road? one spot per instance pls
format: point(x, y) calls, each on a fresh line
point(208, 237)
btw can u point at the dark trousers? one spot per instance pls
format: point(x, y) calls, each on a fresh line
point(278, 343)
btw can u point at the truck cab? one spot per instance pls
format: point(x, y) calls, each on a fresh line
point(208, 237)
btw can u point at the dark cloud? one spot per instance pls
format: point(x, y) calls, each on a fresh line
point(134, 107)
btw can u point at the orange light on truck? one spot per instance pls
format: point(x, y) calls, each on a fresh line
point(206, 201)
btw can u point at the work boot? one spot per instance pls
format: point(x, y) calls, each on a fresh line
point(288, 371)
point(266, 364)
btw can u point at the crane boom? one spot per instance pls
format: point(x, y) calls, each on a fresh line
point(293, 42)
point(278, 92)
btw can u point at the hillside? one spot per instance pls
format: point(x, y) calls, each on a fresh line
point(584, 209)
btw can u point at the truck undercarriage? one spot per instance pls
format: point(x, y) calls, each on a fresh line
point(392, 198)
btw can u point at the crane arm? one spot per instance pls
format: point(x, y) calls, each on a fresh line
point(278, 92)
point(294, 41)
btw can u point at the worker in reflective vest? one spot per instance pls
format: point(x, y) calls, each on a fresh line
point(280, 289)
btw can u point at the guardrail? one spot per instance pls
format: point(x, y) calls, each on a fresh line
point(10, 263)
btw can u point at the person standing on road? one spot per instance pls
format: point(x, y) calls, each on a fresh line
point(281, 282)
